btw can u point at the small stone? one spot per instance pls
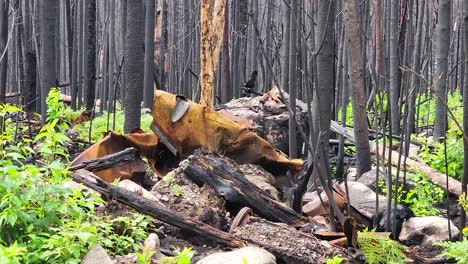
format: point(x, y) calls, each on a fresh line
point(363, 199)
point(351, 174)
point(135, 188)
point(152, 243)
point(96, 255)
point(426, 230)
point(253, 255)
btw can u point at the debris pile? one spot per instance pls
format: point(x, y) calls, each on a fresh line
point(219, 178)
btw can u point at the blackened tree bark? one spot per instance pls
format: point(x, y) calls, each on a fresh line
point(415, 81)
point(226, 90)
point(163, 43)
point(286, 12)
point(324, 45)
point(465, 111)
point(361, 132)
point(3, 46)
point(112, 56)
point(29, 59)
point(394, 65)
point(442, 52)
point(48, 60)
point(187, 51)
point(91, 92)
point(293, 76)
point(236, 50)
point(149, 54)
point(134, 62)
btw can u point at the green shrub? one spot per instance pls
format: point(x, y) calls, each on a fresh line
point(422, 198)
point(455, 250)
point(380, 250)
point(101, 124)
point(41, 220)
point(182, 257)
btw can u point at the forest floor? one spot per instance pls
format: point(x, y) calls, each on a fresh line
point(52, 147)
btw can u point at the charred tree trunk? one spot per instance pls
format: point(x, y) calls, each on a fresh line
point(226, 89)
point(394, 66)
point(149, 54)
point(134, 62)
point(3, 48)
point(48, 59)
point(361, 132)
point(91, 57)
point(465, 111)
point(442, 52)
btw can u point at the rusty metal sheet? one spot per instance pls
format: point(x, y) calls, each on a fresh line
point(145, 143)
point(203, 127)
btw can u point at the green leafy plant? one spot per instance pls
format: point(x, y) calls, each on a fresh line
point(420, 199)
point(455, 250)
point(463, 201)
point(41, 220)
point(378, 249)
point(335, 260)
point(144, 257)
point(101, 124)
point(182, 257)
point(51, 136)
point(176, 189)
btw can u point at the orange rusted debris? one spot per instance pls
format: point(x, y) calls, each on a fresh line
point(203, 127)
point(145, 143)
point(199, 127)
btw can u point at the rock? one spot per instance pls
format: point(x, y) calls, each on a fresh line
point(315, 207)
point(426, 230)
point(427, 132)
point(413, 152)
point(363, 199)
point(402, 213)
point(319, 223)
point(370, 178)
point(253, 255)
point(152, 243)
point(97, 255)
point(261, 178)
point(351, 174)
point(72, 185)
point(135, 188)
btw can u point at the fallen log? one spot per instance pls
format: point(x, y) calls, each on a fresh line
point(116, 159)
point(222, 174)
point(439, 179)
point(155, 210)
point(287, 243)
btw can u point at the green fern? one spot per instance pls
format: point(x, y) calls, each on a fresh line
point(455, 250)
point(378, 249)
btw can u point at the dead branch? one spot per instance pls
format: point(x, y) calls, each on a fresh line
point(155, 210)
point(113, 160)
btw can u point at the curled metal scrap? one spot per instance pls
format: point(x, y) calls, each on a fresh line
point(198, 127)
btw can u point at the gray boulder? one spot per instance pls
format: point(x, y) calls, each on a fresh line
point(426, 230)
point(135, 188)
point(97, 255)
point(253, 255)
point(363, 198)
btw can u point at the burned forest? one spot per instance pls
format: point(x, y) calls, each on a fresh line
point(233, 131)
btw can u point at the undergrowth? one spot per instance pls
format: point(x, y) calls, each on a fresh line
point(41, 220)
point(103, 123)
point(456, 250)
point(420, 199)
point(378, 249)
